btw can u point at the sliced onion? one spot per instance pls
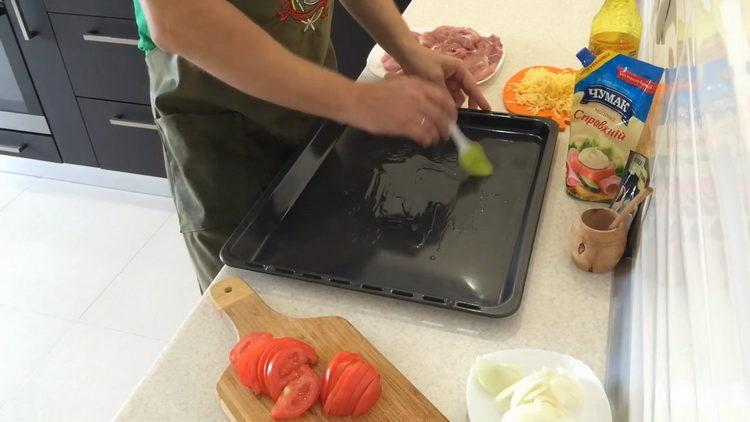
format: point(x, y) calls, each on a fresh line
point(538, 411)
point(524, 384)
point(541, 396)
point(526, 393)
point(566, 390)
point(494, 377)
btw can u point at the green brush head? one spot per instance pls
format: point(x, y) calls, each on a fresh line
point(475, 161)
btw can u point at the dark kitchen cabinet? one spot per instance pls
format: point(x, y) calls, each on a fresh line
point(83, 60)
point(55, 53)
point(124, 136)
point(101, 57)
point(28, 145)
point(107, 8)
point(47, 70)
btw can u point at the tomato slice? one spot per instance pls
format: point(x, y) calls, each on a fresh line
point(327, 375)
point(338, 371)
point(238, 359)
point(276, 385)
point(260, 368)
point(369, 397)
point(363, 379)
point(283, 343)
point(282, 368)
point(234, 354)
point(350, 386)
point(339, 399)
point(260, 364)
point(244, 343)
point(334, 370)
point(298, 396)
point(307, 350)
point(241, 367)
point(251, 374)
point(362, 373)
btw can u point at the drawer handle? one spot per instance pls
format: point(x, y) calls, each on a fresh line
point(93, 37)
point(119, 121)
point(27, 35)
point(13, 149)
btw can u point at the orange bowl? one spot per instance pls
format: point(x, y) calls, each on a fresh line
point(509, 96)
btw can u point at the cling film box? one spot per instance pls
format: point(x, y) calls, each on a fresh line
point(611, 101)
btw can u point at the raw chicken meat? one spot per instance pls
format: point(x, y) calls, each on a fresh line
point(481, 54)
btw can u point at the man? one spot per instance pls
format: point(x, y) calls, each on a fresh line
point(235, 85)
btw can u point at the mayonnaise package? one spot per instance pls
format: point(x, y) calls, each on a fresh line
point(612, 98)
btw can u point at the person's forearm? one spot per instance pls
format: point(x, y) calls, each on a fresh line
point(385, 25)
point(221, 40)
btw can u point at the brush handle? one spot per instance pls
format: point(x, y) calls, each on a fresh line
point(461, 141)
point(642, 195)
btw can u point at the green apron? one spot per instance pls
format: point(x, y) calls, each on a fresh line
point(223, 147)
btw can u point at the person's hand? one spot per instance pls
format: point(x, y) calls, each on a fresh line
point(403, 106)
point(446, 71)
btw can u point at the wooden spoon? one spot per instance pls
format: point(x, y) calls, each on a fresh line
point(642, 195)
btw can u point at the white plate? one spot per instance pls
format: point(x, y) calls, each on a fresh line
point(481, 405)
point(375, 66)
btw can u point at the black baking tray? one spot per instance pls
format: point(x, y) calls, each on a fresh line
point(385, 216)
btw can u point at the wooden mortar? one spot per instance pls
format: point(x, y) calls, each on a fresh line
point(593, 245)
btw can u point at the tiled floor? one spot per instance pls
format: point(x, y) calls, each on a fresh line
point(93, 282)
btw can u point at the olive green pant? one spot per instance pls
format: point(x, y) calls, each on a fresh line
point(222, 148)
point(217, 165)
point(204, 247)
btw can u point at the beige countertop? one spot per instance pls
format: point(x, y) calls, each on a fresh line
point(563, 309)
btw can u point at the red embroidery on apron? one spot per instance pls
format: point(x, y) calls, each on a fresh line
point(305, 11)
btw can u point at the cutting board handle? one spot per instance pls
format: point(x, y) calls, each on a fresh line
point(233, 294)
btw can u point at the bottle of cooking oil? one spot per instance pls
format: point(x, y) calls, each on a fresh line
point(617, 27)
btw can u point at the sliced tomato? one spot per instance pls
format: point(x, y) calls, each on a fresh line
point(339, 399)
point(298, 396)
point(241, 367)
point(262, 363)
point(333, 372)
point(328, 372)
point(251, 365)
point(234, 354)
point(282, 368)
point(304, 351)
point(239, 363)
point(353, 386)
point(263, 367)
point(362, 375)
point(244, 343)
point(276, 385)
point(307, 350)
point(369, 398)
point(340, 368)
point(366, 376)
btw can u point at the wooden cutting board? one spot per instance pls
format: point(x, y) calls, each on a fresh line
point(400, 400)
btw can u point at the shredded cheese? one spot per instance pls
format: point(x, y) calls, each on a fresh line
point(541, 89)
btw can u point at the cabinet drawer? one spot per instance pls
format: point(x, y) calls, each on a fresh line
point(124, 136)
point(102, 58)
point(108, 8)
point(28, 145)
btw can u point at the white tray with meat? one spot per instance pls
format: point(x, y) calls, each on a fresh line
point(483, 53)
